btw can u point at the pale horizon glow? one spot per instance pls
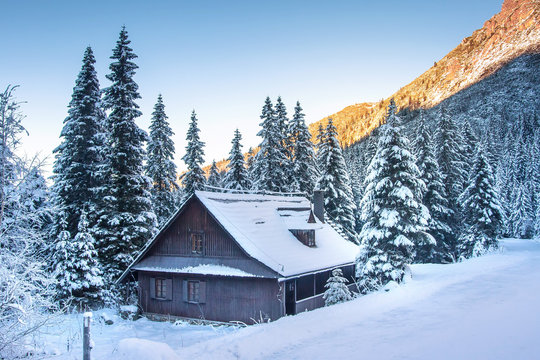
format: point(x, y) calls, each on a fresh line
point(223, 58)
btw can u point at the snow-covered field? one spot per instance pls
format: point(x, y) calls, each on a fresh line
point(483, 308)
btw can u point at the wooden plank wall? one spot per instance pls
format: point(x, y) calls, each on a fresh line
point(176, 239)
point(227, 298)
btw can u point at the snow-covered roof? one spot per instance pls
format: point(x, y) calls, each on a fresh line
point(260, 224)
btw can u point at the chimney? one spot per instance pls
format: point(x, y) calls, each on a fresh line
point(318, 204)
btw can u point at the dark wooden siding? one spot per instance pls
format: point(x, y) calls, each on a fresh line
point(176, 239)
point(227, 298)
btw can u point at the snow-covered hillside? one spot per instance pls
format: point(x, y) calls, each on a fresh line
point(483, 308)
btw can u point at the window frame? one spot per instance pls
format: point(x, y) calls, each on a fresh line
point(160, 288)
point(194, 297)
point(196, 241)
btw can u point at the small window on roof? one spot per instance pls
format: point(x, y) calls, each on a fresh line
point(306, 237)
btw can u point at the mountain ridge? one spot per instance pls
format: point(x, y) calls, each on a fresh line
point(512, 32)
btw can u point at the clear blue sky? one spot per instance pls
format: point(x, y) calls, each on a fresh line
point(222, 58)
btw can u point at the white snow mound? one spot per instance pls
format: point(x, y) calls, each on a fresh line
point(133, 348)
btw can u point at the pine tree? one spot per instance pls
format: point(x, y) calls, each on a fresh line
point(78, 272)
point(482, 210)
point(336, 289)
point(79, 155)
point(470, 141)
point(335, 182)
point(214, 178)
point(304, 163)
point(236, 177)
point(434, 198)
point(194, 178)
point(283, 127)
point(160, 166)
point(522, 216)
point(395, 219)
point(452, 164)
point(127, 221)
point(268, 171)
point(320, 141)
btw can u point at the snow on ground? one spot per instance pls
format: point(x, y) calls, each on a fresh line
point(124, 339)
point(483, 308)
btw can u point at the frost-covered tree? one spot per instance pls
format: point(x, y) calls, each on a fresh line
point(77, 269)
point(334, 181)
point(283, 127)
point(268, 168)
point(26, 288)
point(78, 157)
point(160, 166)
point(470, 142)
point(194, 178)
point(452, 164)
point(522, 216)
point(236, 177)
point(482, 210)
point(126, 221)
point(336, 289)
point(214, 177)
point(394, 218)
point(320, 141)
point(304, 163)
point(434, 198)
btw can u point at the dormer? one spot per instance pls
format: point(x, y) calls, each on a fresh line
point(306, 237)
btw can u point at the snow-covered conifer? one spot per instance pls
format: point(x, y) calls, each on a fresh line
point(194, 178)
point(336, 289)
point(78, 272)
point(434, 198)
point(79, 156)
point(236, 177)
point(335, 182)
point(304, 162)
point(160, 166)
point(395, 219)
point(127, 221)
point(452, 164)
point(214, 177)
point(268, 168)
point(482, 210)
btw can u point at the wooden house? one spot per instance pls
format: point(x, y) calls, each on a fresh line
point(240, 257)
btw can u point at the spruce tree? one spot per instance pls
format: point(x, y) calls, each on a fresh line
point(127, 221)
point(78, 157)
point(452, 164)
point(194, 178)
point(236, 177)
point(214, 177)
point(283, 127)
point(304, 163)
point(335, 181)
point(482, 210)
point(434, 198)
point(336, 289)
point(79, 273)
point(395, 219)
point(268, 168)
point(160, 166)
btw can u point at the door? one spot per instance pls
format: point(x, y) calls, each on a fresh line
point(290, 297)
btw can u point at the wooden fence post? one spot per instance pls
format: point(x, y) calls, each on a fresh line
point(87, 346)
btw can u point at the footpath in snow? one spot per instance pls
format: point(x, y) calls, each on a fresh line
point(483, 308)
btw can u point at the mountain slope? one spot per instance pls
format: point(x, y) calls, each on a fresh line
point(507, 35)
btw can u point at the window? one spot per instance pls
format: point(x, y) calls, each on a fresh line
point(196, 243)
point(306, 237)
point(161, 288)
point(194, 291)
